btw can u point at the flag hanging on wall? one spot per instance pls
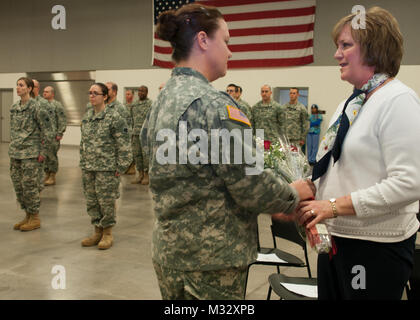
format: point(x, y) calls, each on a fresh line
point(263, 33)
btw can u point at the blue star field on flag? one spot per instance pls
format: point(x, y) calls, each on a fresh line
point(165, 5)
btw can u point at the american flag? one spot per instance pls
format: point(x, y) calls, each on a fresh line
point(263, 33)
point(238, 115)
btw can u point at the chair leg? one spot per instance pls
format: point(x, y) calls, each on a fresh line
point(246, 280)
point(307, 262)
point(407, 291)
point(269, 293)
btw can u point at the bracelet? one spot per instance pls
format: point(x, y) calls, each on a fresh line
point(334, 207)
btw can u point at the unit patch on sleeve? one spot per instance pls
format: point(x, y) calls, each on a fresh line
point(237, 115)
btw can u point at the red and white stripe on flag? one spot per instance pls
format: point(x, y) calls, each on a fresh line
point(263, 33)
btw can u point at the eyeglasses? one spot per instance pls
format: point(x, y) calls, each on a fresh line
point(95, 93)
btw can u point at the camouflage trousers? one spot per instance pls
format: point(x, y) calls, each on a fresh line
point(101, 190)
point(225, 284)
point(140, 158)
point(51, 160)
point(25, 175)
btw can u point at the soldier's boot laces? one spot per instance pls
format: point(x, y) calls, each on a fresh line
point(145, 180)
point(106, 241)
point(33, 223)
point(139, 178)
point(21, 223)
point(51, 179)
point(94, 239)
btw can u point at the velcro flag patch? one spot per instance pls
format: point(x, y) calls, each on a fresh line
point(237, 115)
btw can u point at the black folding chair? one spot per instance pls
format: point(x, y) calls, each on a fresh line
point(274, 256)
point(291, 287)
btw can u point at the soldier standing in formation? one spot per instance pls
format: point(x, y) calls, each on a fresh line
point(44, 104)
point(206, 213)
point(30, 138)
point(242, 103)
point(232, 90)
point(129, 103)
point(266, 114)
point(104, 154)
point(51, 162)
point(118, 106)
point(140, 111)
point(295, 119)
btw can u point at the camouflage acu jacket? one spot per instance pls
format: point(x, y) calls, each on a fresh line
point(295, 123)
point(129, 107)
point(245, 107)
point(267, 117)
point(140, 110)
point(29, 125)
point(60, 117)
point(50, 109)
point(123, 111)
point(206, 213)
point(105, 143)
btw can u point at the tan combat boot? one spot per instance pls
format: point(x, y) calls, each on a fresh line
point(21, 223)
point(33, 223)
point(145, 180)
point(47, 175)
point(106, 241)
point(138, 179)
point(94, 239)
point(131, 169)
point(51, 179)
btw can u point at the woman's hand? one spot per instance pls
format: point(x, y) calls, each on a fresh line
point(41, 159)
point(309, 213)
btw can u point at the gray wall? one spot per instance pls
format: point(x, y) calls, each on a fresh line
point(100, 35)
point(107, 35)
point(328, 12)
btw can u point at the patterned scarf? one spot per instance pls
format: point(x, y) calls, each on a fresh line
point(329, 146)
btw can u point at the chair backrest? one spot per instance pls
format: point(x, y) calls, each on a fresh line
point(287, 230)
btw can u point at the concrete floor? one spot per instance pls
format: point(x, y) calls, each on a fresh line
point(28, 259)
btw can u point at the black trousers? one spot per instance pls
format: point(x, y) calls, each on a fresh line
point(362, 270)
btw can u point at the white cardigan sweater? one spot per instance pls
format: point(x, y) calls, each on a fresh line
point(379, 167)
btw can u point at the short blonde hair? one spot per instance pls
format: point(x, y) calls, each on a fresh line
point(381, 42)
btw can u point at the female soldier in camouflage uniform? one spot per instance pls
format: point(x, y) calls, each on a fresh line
point(29, 125)
point(104, 153)
point(206, 213)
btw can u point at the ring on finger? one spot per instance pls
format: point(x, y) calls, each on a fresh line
point(312, 212)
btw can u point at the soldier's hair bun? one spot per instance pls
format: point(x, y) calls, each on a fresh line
point(180, 27)
point(167, 26)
